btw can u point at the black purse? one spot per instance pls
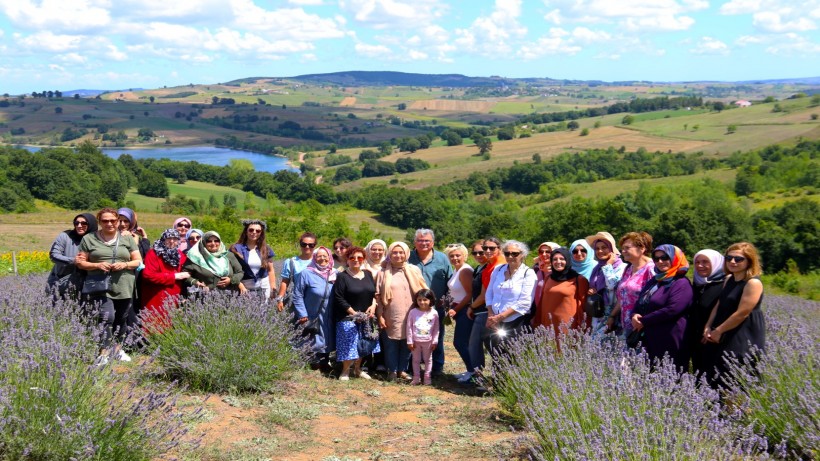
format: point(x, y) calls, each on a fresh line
point(97, 284)
point(594, 306)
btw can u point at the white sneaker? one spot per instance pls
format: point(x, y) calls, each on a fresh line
point(122, 356)
point(101, 361)
point(344, 378)
point(466, 377)
point(463, 374)
point(364, 375)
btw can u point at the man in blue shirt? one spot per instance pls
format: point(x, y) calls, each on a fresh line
point(436, 269)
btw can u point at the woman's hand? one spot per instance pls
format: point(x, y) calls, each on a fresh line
point(120, 266)
point(371, 311)
point(104, 266)
point(712, 336)
point(383, 323)
point(302, 320)
point(451, 313)
point(223, 282)
point(636, 322)
point(182, 275)
point(493, 320)
point(411, 346)
point(592, 291)
point(470, 314)
point(242, 288)
point(610, 324)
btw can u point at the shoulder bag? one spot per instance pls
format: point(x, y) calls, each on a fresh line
point(96, 284)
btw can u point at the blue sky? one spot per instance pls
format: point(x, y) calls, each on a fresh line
point(113, 44)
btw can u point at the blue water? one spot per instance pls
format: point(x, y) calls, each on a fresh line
point(202, 154)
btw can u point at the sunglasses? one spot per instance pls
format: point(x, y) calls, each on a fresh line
point(488, 248)
point(187, 226)
point(254, 231)
point(735, 259)
point(109, 221)
point(512, 254)
point(356, 258)
point(661, 258)
point(544, 252)
point(80, 223)
point(579, 251)
point(307, 245)
point(194, 238)
point(478, 253)
point(212, 241)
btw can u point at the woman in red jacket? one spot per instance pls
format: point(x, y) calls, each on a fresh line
point(162, 280)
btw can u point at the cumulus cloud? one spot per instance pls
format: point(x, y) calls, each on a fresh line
point(372, 51)
point(394, 14)
point(777, 16)
point(558, 41)
point(637, 15)
point(306, 2)
point(57, 15)
point(495, 34)
point(50, 42)
point(710, 46)
point(792, 44)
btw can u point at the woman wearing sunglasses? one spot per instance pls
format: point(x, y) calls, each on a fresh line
point(736, 324)
point(65, 278)
point(662, 307)
point(509, 296)
point(192, 238)
point(292, 267)
point(256, 257)
point(212, 264)
point(183, 225)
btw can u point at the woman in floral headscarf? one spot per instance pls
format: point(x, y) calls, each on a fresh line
point(312, 293)
point(162, 279)
point(212, 264)
point(662, 306)
point(605, 277)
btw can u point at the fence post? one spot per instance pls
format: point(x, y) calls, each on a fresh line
point(14, 261)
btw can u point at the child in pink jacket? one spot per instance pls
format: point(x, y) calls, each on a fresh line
point(422, 334)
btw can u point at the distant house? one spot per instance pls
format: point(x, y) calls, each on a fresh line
point(743, 103)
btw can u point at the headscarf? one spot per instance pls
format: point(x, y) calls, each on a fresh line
point(183, 245)
point(414, 277)
point(131, 215)
point(604, 237)
point(169, 255)
point(568, 272)
point(678, 259)
point(193, 231)
point(328, 272)
point(597, 280)
point(215, 262)
point(92, 227)
point(584, 267)
point(716, 259)
point(553, 246)
point(371, 264)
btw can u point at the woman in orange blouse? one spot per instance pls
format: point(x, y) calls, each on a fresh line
point(563, 296)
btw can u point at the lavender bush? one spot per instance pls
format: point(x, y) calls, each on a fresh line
point(594, 401)
point(54, 404)
point(781, 398)
point(223, 342)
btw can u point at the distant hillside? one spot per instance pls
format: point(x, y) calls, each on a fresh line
point(367, 78)
point(92, 93)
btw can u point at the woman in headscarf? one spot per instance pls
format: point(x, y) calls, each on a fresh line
point(65, 278)
point(212, 264)
point(130, 227)
point(162, 280)
point(396, 287)
point(709, 279)
point(583, 258)
point(183, 225)
point(563, 296)
point(542, 267)
point(312, 292)
point(662, 307)
point(192, 238)
point(375, 251)
point(605, 277)
point(256, 257)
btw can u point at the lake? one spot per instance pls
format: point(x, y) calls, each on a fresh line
point(203, 154)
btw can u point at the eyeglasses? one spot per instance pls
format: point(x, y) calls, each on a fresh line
point(478, 253)
point(307, 245)
point(212, 241)
point(512, 254)
point(661, 258)
point(579, 251)
point(254, 231)
point(626, 248)
point(544, 252)
point(109, 221)
point(356, 258)
point(489, 248)
point(424, 241)
point(80, 223)
point(735, 259)
point(194, 238)
point(182, 224)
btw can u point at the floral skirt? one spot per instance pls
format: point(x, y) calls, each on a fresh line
point(348, 333)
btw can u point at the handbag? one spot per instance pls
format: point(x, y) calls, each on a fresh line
point(634, 338)
point(368, 337)
point(594, 306)
point(96, 284)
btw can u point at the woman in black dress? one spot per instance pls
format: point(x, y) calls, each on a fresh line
point(709, 277)
point(737, 325)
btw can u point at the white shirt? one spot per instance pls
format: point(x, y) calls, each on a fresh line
point(457, 290)
point(515, 293)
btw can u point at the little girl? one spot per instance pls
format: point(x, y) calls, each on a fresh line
point(422, 334)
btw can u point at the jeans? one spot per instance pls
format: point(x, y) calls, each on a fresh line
point(438, 354)
point(475, 345)
point(461, 337)
point(396, 355)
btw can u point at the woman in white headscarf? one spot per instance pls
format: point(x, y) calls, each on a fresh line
point(212, 264)
point(708, 284)
point(375, 253)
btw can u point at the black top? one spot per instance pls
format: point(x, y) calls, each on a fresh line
point(751, 331)
point(477, 288)
point(349, 291)
point(705, 357)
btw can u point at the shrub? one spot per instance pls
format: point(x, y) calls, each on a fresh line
point(54, 404)
point(781, 398)
point(592, 401)
point(228, 343)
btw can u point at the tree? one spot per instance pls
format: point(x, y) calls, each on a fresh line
point(814, 116)
point(452, 138)
point(409, 144)
point(484, 144)
point(145, 133)
point(505, 133)
point(332, 149)
point(76, 95)
point(731, 129)
point(585, 132)
point(151, 98)
point(573, 125)
point(58, 110)
point(152, 184)
point(402, 106)
point(718, 106)
point(815, 100)
point(627, 120)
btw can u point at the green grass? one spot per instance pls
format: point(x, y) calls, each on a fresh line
point(195, 190)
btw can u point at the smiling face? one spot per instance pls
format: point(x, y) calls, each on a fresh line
point(355, 261)
point(423, 243)
point(579, 253)
point(630, 252)
point(662, 261)
point(478, 254)
point(108, 223)
point(398, 256)
point(602, 251)
point(737, 262)
point(544, 253)
point(423, 303)
point(322, 259)
point(124, 224)
point(306, 246)
point(81, 225)
point(254, 232)
point(171, 242)
point(183, 227)
point(212, 244)
point(377, 252)
point(558, 262)
point(703, 266)
point(456, 258)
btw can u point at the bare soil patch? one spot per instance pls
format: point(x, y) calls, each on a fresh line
point(451, 105)
point(348, 101)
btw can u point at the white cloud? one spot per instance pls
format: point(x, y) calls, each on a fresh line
point(57, 15)
point(290, 23)
point(710, 46)
point(394, 14)
point(777, 16)
point(641, 15)
point(772, 21)
point(113, 53)
point(495, 34)
point(372, 51)
point(306, 2)
point(50, 42)
point(610, 56)
point(309, 57)
point(587, 36)
point(72, 58)
point(552, 44)
point(792, 44)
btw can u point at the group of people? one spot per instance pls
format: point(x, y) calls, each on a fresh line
point(386, 307)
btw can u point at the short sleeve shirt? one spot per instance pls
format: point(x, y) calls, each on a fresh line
point(122, 282)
